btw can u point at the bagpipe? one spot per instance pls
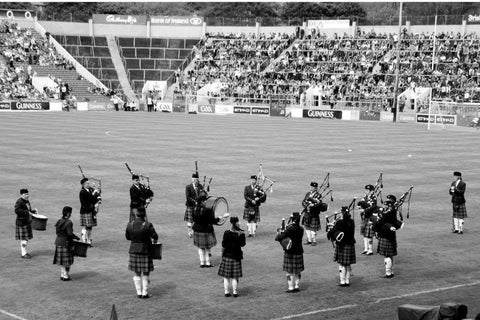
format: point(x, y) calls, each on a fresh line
point(260, 189)
point(316, 198)
point(95, 188)
point(286, 243)
point(380, 226)
point(371, 197)
point(334, 233)
point(144, 184)
point(218, 205)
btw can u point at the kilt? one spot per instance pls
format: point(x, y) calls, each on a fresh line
point(345, 254)
point(188, 214)
point(204, 240)
point(23, 232)
point(140, 262)
point(366, 229)
point(386, 247)
point(251, 214)
point(63, 256)
point(459, 211)
point(230, 268)
point(86, 220)
point(311, 222)
point(293, 263)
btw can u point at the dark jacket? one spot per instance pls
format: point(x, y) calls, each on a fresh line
point(249, 194)
point(139, 196)
point(295, 233)
point(140, 233)
point(388, 220)
point(232, 244)
point(192, 195)
point(64, 230)
point(313, 210)
point(87, 201)
point(23, 210)
point(347, 226)
point(203, 219)
point(458, 194)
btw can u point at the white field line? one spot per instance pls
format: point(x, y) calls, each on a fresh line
point(11, 315)
point(379, 300)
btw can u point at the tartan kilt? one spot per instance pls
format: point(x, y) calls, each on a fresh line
point(293, 263)
point(63, 256)
point(230, 268)
point(23, 232)
point(204, 240)
point(86, 220)
point(366, 229)
point(387, 247)
point(251, 214)
point(345, 254)
point(311, 222)
point(459, 211)
point(140, 262)
point(188, 214)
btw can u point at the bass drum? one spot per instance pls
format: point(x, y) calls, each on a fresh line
point(219, 205)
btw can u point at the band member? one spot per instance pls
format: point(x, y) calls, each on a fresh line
point(63, 243)
point(89, 202)
point(23, 228)
point(311, 214)
point(203, 233)
point(342, 236)
point(231, 266)
point(293, 257)
point(254, 197)
point(457, 191)
point(140, 196)
point(192, 192)
point(370, 196)
point(386, 231)
point(366, 228)
point(142, 234)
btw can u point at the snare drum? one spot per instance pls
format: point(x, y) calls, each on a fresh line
point(218, 205)
point(39, 222)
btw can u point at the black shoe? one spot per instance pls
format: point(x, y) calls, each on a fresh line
point(369, 253)
point(342, 285)
point(290, 291)
point(389, 276)
point(235, 295)
point(249, 235)
point(307, 243)
point(454, 231)
point(460, 232)
point(228, 295)
point(347, 284)
point(26, 256)
point(364, 251)
point(146, 296)
point(296, 290)
point(209, 266)
point(203, 266)
point(139, 296)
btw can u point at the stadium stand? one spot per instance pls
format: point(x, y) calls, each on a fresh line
point(153, 59)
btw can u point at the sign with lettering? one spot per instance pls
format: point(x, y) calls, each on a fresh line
point(322, 114)
point(119, 19)
point(175, 20)
point(238, 109)
point(30, 105)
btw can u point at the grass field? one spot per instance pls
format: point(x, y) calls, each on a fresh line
point(41, 150)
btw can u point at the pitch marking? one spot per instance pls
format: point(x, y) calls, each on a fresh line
point(11, 315)
point(317, 311)
point(379, 300)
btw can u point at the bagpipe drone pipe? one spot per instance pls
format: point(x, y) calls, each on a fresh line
point(144, 182)
point(335, 230)
point(260, 190)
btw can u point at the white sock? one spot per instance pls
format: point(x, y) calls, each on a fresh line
point(254, 227)
point(234, 285)
point(348, 272)
point(388, 266)
point(307, 232)
point(226, 285)
point(314, 236)
point(290, 281)
point(84, 234)
point(460, 225)
point(365, 244)
point(23, 247)
point(207, 256)
point(370, 245)
point(296, 281)
point(342, 271)
point(137, 280)
point(63, 272)
point(201, 255)
point(144, 285)
point(89, 235)
point(455, 223)
point(249, 226)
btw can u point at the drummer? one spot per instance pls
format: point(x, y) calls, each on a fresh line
point(23, 227)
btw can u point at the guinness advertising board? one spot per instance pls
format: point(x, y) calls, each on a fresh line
point(30, 105)
point(322, 114)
